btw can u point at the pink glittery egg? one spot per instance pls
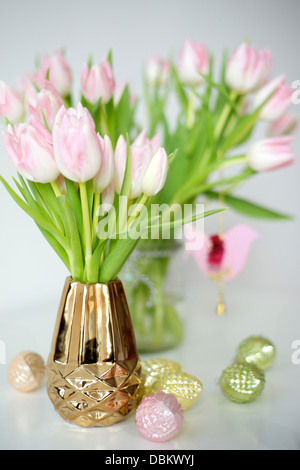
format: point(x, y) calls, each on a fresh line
point(159, 416)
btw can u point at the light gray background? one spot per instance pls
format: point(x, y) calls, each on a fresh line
point(31, 276)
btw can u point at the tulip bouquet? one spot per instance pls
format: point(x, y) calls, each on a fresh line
point(84, 172)
point(216, 117)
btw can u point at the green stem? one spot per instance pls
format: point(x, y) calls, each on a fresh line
point(97, 201)
point(139, 310)
point(86, 228)
point(191, 110)
point(56, 188)
point(196, 186)
point(142, 202)
point(103, 122)
point(227, 110)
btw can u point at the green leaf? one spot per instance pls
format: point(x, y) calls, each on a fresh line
point(110, 57)
point(123, 113)
point(75, 204)
point(222, 91)
point(245, 125)
point(250, 209)
point(45, 121)
point(7, 122)
point(179, 89)
point(179, 222)
point(34, 214)
point(90, 61)
point(75, 252)
point(59, 250)
point(96, 260)
point(127, 175)
point(121, 251)
point(44, 193)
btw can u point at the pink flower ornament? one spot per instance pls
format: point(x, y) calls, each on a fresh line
point(222, 258)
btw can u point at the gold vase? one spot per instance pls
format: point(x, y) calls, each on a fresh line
point(93, 370)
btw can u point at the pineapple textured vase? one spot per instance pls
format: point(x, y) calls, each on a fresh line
point(93, 368)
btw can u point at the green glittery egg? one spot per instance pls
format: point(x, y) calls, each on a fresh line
point(258, 351)
point(242, 383)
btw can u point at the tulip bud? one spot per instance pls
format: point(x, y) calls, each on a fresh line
point(248, 69)
point(98, 82)
point(11, 104)
point(156, 174)
point(48, 101)
point(157, 71)
point(270, 154)
point(60, 75)
point(285, 125)
point(279, 102)
point(193, 60)
point(77, 148)
point(142, 150)
point(104, 177)
point(30, 148)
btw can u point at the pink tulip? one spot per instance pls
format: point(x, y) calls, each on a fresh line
point(11, 104)
point(46, 100)
point(142, 151)
point(248, 69)
point(60, 74)
point(193, 60)
point(30, 148)
point(222, 258)
point(77, 148)
point(104, 177)
point(156, 174)
point(278, 104)
point(98, 82)
point(157, 71)
point(270, 154)
point(285, 125)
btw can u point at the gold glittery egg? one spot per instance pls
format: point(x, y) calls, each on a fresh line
point(26, 371)
point(242, 383)
point(256, 350)
point(154, 372)
point(185, 387)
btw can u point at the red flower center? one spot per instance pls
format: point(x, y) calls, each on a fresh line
point(216, 251)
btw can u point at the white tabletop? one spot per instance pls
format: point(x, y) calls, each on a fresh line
point(29, 421)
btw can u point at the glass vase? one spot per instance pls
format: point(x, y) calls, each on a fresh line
point(153, 283)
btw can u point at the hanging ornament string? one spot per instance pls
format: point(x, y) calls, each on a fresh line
point(221, 306)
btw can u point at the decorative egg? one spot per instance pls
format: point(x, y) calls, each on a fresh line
point(258, 351)
point(242, 383)
point(159, 417)
point(26, 371)
point(184, 387)
point(156, 370)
